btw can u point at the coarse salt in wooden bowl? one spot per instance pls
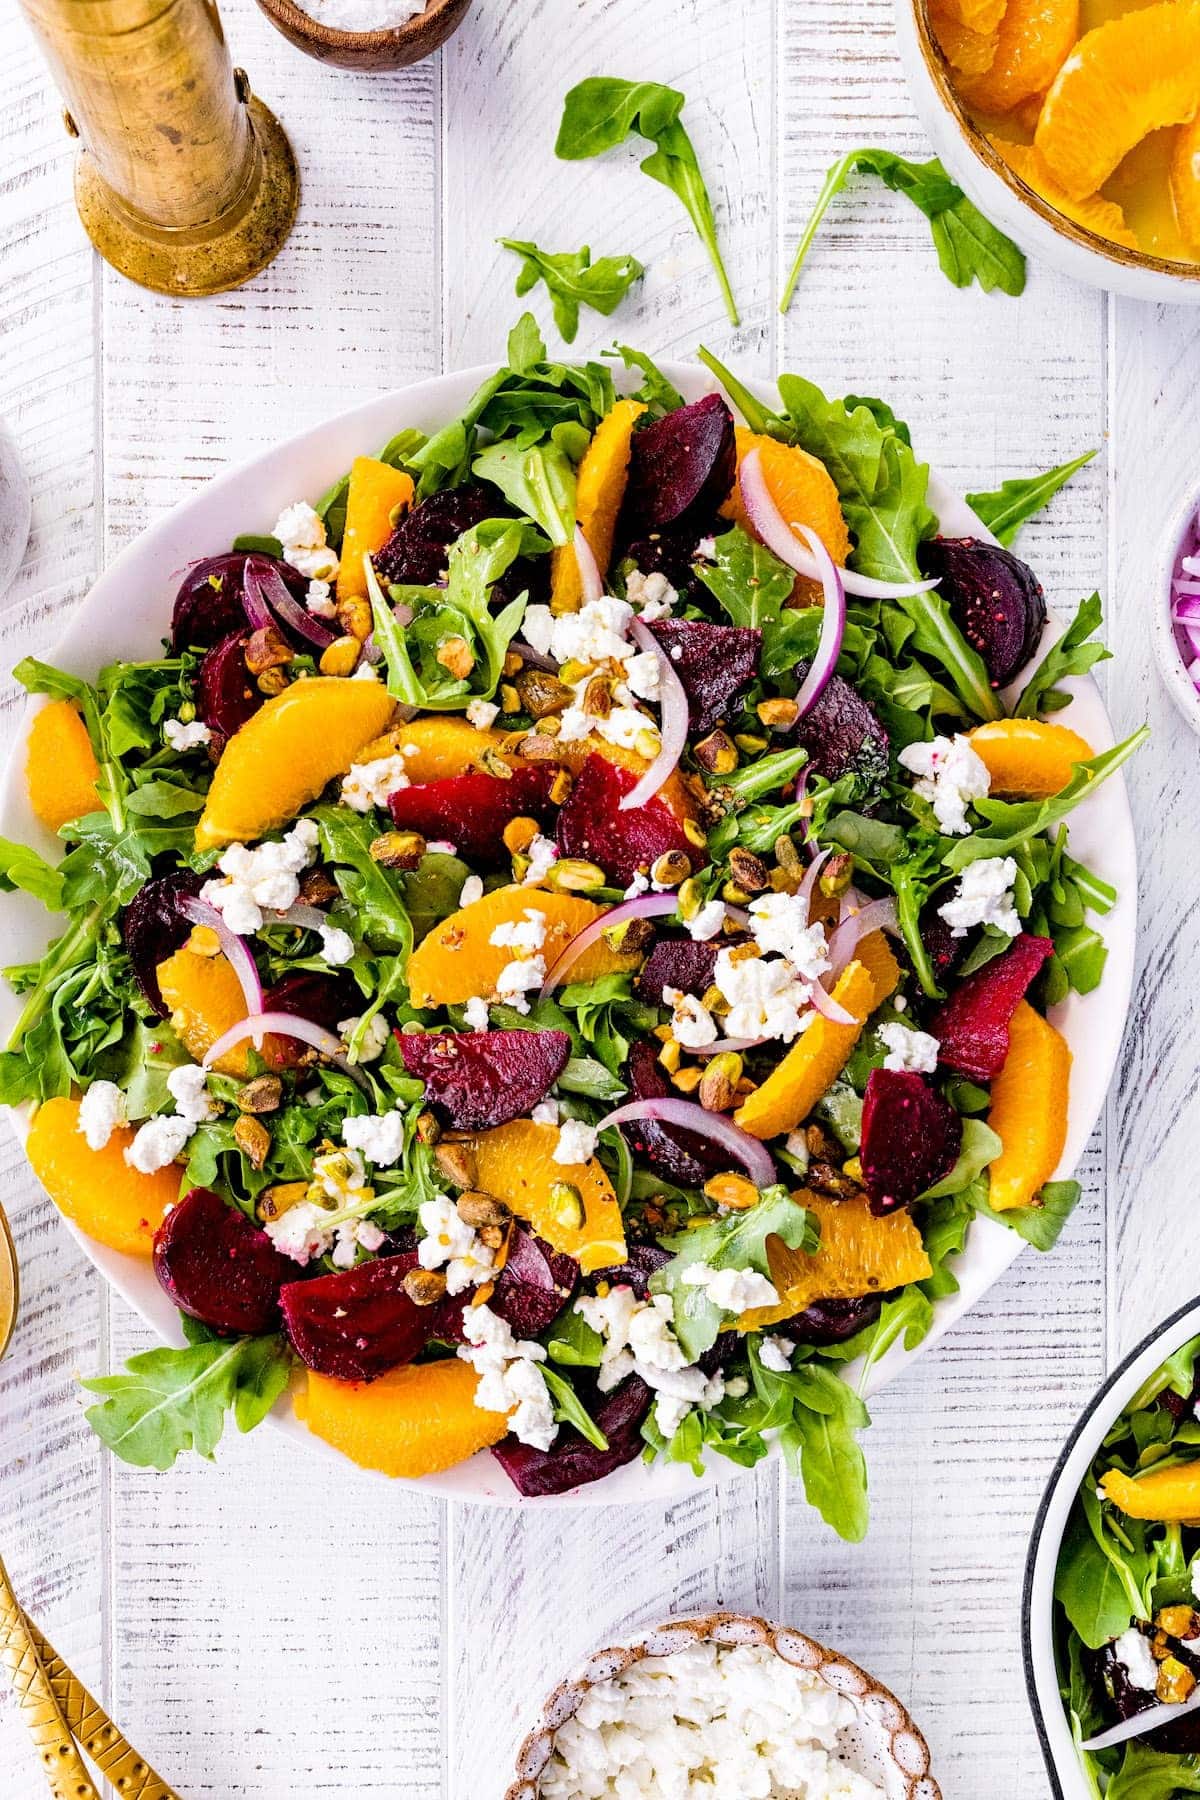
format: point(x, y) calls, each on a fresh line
point(386, 47)
point(884, 1744)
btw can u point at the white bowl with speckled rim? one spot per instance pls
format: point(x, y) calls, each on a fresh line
point(127, 613)
point(884, 1745)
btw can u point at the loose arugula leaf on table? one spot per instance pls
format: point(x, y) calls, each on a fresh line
point(573, 280)
point(601, 112)
point(1075, 653)
point(969, 248)
point(1012, 823)
point(738, 1241)
point(1006, 509)
point(172, 1400)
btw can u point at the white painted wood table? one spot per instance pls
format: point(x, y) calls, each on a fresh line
point(266, 1628)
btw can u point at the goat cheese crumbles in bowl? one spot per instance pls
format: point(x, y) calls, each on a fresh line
point(1127, 1594)
point(555, 952)
point(723, 1706)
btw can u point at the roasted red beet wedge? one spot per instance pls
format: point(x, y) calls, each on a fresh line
point(418, 551)
point(473, 810)
point(644, 1261)
point(476, 1079)
point(681, 1156)
point(680, 466)
point(684, 964)
point(208, 605)
point(995, 599)
point(153, 928)
point(218, 1267)
point(534, 1285)
point(911, 1137)
point(591, 825)
point(842, 734)
point(972, 1025)
point(225, 695)
point(307, 994)
point(360, 1323)
point(711, 661)
point(833, 1321)
point(571, 1461)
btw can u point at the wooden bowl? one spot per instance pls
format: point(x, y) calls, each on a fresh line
point(391, 47)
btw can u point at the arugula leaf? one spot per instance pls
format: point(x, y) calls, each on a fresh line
point(656, 392)
point(1153, 1775)
point(1007, 507)
point(250, 543)
point(172, 1400)
point(969, 248)
point(601, 112)
point(569, 1408)
point(751, 584)
point(374, 894)
point(574, 280)
point(1041, 1223)
point(1073, 654)
point(571, 1340)
point(821, 1439)
point(980, 1146)
point(1088, 1586)
point(907, 1315)
point(584, 1075)
point(738, 1241)
point(1013, 822)
point(21, 867)
point(882, 414)
point(538, 482)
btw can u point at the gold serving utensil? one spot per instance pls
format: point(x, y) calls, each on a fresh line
point(62, 1716)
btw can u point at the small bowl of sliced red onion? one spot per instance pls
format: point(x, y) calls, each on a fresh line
point(1177, 625)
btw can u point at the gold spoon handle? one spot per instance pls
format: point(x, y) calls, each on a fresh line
point(111, 1752)
point(68, 1778)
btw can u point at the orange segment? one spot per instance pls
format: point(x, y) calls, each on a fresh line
point(436, 747)
point(61, 767)
point(516, 1164)
point(1171, 1495)
point(286, 753)
point(457, 960)
point(814, 1061)
point(412, 1421)
point(858, 1254)
point(600, 489)
point(1029, 1109)
point(205, 998)
point(801, 487)
point(1028, 756)
point(969, 52)
point(376, 490)
point(1122, 81)
point(1185, 183)
point(96, 1189)
point(977, 15)
point(1035, 37)
point(875, 955)
point(1095, 213)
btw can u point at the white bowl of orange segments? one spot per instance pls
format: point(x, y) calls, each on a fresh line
point(1074, 125)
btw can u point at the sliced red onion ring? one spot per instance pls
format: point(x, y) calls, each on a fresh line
point(1148, 1720)
point(811, 875)
point(237, 951)
point(877, 915)
point(779, 538)
point(754, 1157)
point(833, 624)
point(646, 906)
point(591, 582)
point(305, 916)
point(831, 1009)
point(1187, 590)
point(537, 659)
point(274, 591)
point(371, 650)
point(281, 1024)
point(722, 1044)
point(254, 601)
point(673, 722)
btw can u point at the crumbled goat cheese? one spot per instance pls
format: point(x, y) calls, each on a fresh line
point(779, 923)
point(302, 534)
point(652, 594)
point(472, 890)
point(527, 934)
point(909, 1049)
point(638, 886)
point(369, 784)
point(337, 946)
point(545, 1112)
point(708, 921)
point(365, 672)
point(482, 714)
point(765, 998)
point(510, 1380)
point(476, 1013)
point(623, 726)
point(319, 601)
point(984, 896)
point(516, 979)
point(642, 676)
point(599, 631)
point(714, 1720)
point(158, 1142)
point(639, 1340)
point(1132, 1649)
point(186, 737)
point(542, 854)
point(265, 879)
point(775, 1353)
point(692, 1025)
point(732, 1290)
point(307, 1231)
point(341, 1177)
point(101, 1110)
point(441, 847)
point(452, 1244)
point(949, 774)
point(188, 1087)
point(375, 1038)
point(576, 1142)
point(352, 1235)
point(379, 1137)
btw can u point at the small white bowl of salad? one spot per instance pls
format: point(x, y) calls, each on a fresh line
point(1112, 1585)
point(1177, 615)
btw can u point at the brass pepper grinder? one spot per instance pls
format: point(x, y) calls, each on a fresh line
point(185, 182)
